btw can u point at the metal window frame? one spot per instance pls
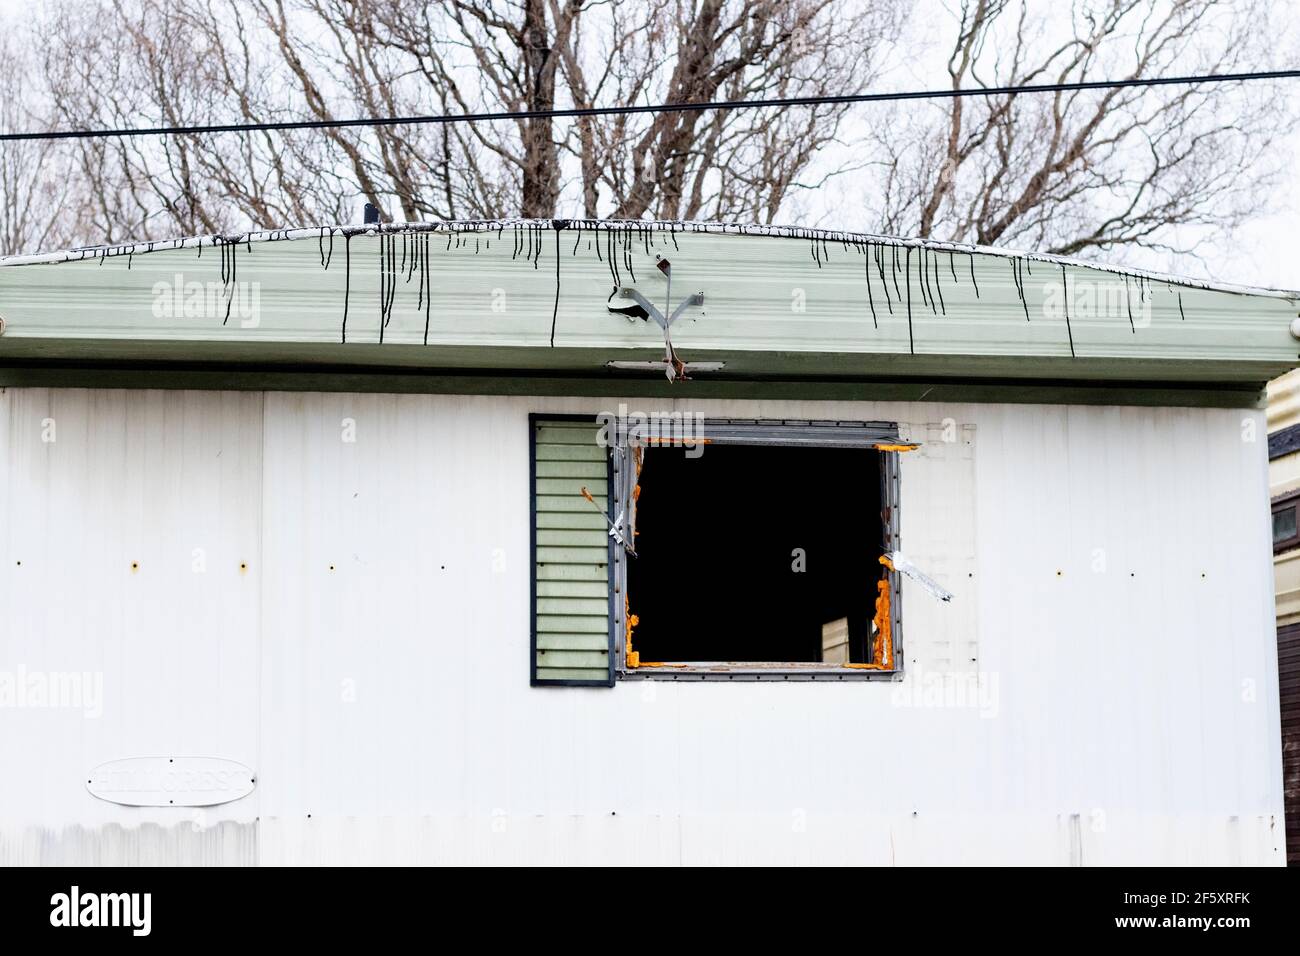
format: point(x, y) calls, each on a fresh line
point(774, 433)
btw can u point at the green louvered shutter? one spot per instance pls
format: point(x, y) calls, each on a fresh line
point(572, 641)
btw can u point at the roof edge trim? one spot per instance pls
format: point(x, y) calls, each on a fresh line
point(456, 226)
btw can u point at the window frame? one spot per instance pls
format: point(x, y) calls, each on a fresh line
point(1290, 500)
point(780, 433)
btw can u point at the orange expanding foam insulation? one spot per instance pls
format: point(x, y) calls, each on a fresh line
point(882, 648)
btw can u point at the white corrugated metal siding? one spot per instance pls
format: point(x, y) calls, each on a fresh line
point(1113, 609)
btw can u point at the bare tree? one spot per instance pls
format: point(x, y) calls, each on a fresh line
point(721, 164)
point(490, 57)
point(34, 187)
point(532, 55)
point(196, 61)
point(142, 68)
point(1070, 172)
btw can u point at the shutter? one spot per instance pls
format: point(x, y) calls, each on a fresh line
point(572, 633)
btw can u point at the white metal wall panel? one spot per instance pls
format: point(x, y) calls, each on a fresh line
point(1125, 710)
point(124, 519)
point(939, 508)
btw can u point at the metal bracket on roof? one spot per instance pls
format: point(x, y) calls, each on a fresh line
point(642, 308)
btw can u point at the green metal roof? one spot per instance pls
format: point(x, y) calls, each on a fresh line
point(522, 306)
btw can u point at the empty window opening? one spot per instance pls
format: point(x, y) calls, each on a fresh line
point(758, 554)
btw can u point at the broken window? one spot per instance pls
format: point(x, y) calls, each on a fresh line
point(715, 550)
point(760, 550)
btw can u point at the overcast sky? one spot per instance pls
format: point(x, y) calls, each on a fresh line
point(1263, 252)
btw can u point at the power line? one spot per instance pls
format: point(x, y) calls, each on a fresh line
point(658, 108)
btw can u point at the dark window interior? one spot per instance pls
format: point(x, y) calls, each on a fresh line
point(714, 576)
point(1284, 524)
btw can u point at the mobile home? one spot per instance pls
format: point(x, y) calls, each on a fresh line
point(608, 542)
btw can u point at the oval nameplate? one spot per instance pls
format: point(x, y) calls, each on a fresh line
point(170, 781)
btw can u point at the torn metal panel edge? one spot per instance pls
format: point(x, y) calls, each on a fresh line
point(932, 587)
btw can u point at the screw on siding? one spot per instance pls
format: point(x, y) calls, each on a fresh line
point(135, 566)
point(243, 566)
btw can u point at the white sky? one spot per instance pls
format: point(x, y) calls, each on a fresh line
point(1263, 252)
